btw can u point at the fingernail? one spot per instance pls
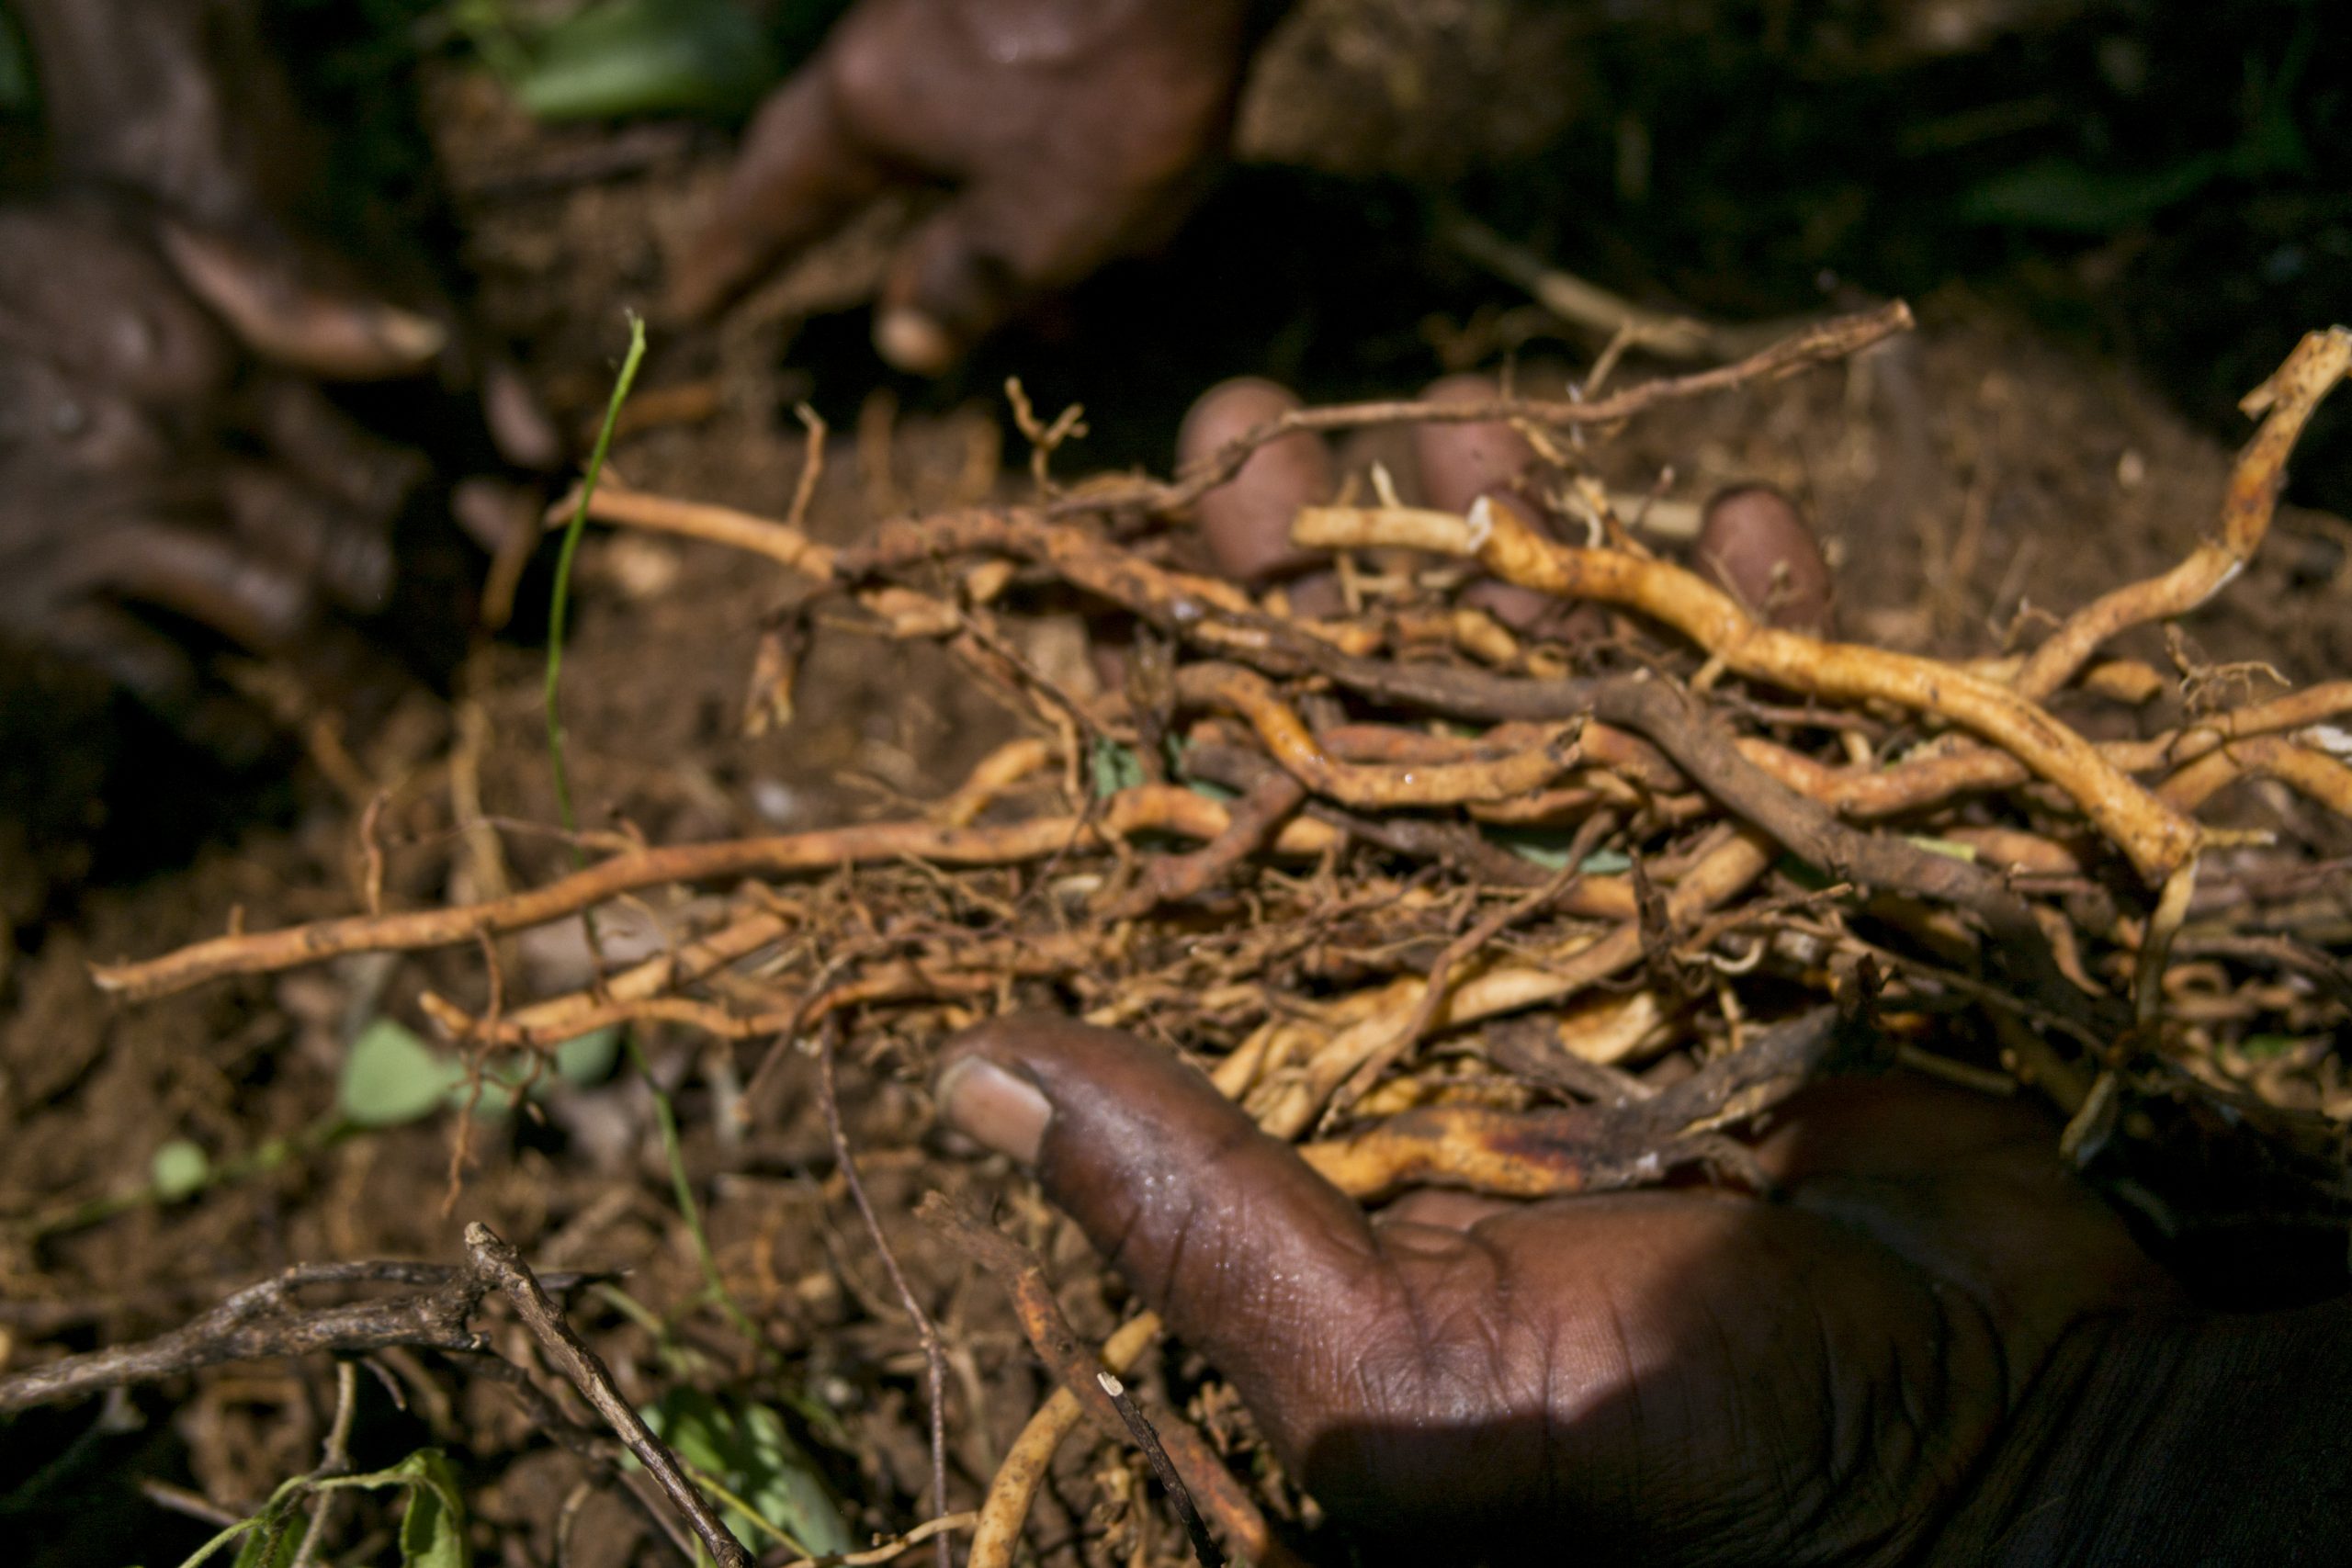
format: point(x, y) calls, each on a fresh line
point(910, 341)
point(983, 1102)
point(409, 339)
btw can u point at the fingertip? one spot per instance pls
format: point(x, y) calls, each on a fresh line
point(1460, 461)
point(261, 290)
point(953, 282)
point(910, 340)
point(1316, 597)
point(1521, 609)
point(993, 1107)
point(520, 426)
point(211, 579)
point(1245, 520)
point(1754, 542)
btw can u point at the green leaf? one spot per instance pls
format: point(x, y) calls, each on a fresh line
point(1548, 847)
point(793, 1494)
point(645, 56)
point(179, 1169)
point(1116, 767)
point(390, 1078)
point(2262, 1047)
point(587, 1059)
point(432, 1531)
point(2056, 195)
point(751, 1453)
point(1934, 846)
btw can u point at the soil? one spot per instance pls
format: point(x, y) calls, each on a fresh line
point(1969, 479)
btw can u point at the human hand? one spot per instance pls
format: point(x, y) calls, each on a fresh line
point(164, 445)
point(1072, 130)
point(1931, 1345)
point(142, 467)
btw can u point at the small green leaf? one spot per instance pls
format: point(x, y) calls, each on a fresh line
point(587, 1059)
point(1548, 847)
point(432, 1531)
point(1943, 847)
point(792, 1494)
point(390, 1078)
point(179, 1169)
point(2262, 1047)
point(2057, 195)
point(646, 57)
point(1116, 767)
point(751, 1453)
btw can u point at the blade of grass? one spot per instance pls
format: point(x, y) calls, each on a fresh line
point(683, 1189)
point(664, 1115)
point(559, 601)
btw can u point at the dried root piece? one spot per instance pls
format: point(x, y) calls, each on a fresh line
point(1430, 826)
point(1372, 786)
point(2288, 399)
point(2157, 839)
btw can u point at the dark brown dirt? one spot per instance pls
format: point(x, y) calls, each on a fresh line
point(1969, 479)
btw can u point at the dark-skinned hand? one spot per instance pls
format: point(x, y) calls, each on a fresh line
point(1070, 131)
point(1929, 1343)
point(1933, 1346)
point(164, 445)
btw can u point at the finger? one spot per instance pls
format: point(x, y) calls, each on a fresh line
point(127, 654)
point(1461, 461)
point(178, 101)
point(946, 288)
point(800, 173)
point(316, 540)
point(995, 248)
point(334, 454)
point(209, 578)
point(1755, 544)
point(1528, 609)
point(1245, 1250)
point(77, 292)
point(266, 297)
point(521, 428)
point(1975, 1182)
point(66, 434)
point(1245, 520)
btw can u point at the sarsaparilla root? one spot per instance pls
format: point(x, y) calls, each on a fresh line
point(1327, 853)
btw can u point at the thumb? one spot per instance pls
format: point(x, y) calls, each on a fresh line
point(947, 289)
point(800, 173)
point(1000, 245)
point(1247, 1253)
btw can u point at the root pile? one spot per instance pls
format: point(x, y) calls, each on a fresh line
point(1448, 905)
